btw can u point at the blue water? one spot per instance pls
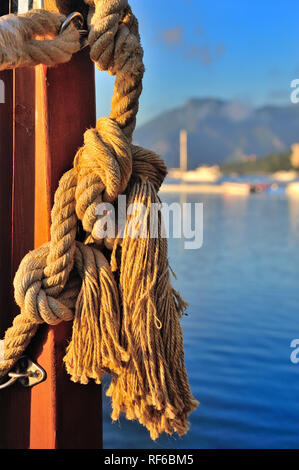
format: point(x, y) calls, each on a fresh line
point(243, 290)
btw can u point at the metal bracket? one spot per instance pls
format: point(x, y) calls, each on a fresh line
point(27, 372)
point(78, 20)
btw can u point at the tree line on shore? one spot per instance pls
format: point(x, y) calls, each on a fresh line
point(268, 164)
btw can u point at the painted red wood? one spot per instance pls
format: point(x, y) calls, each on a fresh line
point(6, 130)
point(7, 400)
point(53, 108)
point(65, 108)
point(17, 186)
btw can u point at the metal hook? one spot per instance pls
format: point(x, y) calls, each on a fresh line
point(8, 383)
point(78, 19)
point(27, 372)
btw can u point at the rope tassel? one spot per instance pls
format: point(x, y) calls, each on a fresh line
point(125, 312)
point(94, 349)
point(153, 387)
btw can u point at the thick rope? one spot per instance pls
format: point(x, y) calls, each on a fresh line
point(115, 47)
point(21, 43)
point(125, 313)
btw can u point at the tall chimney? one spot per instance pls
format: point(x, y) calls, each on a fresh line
point(183, 150)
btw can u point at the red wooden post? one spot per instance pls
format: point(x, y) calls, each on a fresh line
point(6, 133)
point(6, 130)
point(65, 108)
point(52, 108)
point(16, 119)
point(15, 413)
point(6, 293)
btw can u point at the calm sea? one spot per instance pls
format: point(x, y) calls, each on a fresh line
point(243, 291)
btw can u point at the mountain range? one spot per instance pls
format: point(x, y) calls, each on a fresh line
point(221, 131)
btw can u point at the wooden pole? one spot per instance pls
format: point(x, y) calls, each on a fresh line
point(65, 108)
point(52, 109)
point(14, 403)
point(6, 131)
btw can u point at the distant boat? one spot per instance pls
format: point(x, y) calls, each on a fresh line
point(205, 174)
point(238, 189)
point(293, 189)
point(285, 175)
point(245, 189)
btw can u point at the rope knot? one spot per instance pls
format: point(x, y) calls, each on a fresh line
point(104, 167)
point(31, 295)
point(106, 153)
point(148, 166)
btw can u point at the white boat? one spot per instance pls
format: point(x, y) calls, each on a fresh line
point(236, 189)
point(284, 175)
point(293, 190)
point(203, 173)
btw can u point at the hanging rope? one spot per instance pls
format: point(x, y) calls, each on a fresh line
point(125, 312)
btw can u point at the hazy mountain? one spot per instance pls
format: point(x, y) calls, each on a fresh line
point(221, 131)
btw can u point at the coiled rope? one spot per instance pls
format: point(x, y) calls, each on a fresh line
point(125, 312)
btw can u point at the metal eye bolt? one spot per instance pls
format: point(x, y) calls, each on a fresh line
point(78, 20)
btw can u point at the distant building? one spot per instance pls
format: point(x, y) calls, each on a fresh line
point(201, 174)
point(295, 156)
point(178, 172)
point(183, 151)
point(249, 158)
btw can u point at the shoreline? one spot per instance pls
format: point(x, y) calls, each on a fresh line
point(194, 188)
point(231, 188)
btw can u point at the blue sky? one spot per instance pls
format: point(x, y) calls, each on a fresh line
point(242, 50)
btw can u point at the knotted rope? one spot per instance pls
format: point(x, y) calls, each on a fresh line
point(21, 44)
point(125, 312)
